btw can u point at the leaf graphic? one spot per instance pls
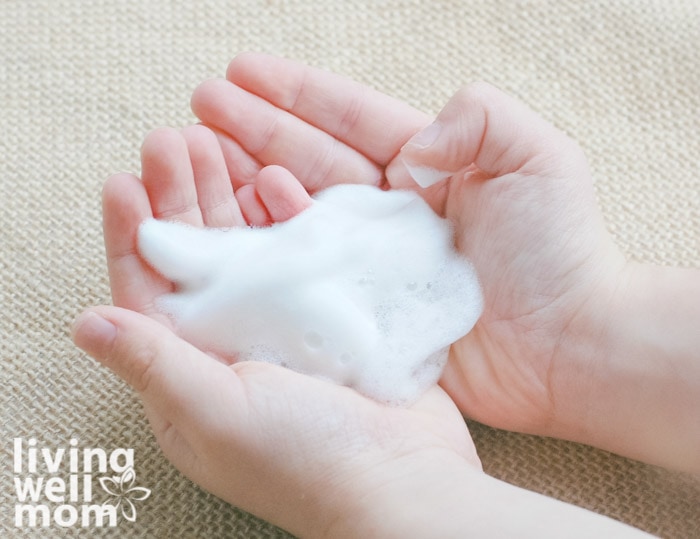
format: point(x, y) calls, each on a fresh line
point(138, 493)
point(107, 484)
point(127, 479)
point(128, 510)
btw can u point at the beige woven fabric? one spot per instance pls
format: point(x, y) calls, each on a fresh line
point(82, 81)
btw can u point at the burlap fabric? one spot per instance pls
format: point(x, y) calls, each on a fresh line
point(81, 82)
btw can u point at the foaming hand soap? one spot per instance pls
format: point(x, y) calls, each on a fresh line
point(363, 288)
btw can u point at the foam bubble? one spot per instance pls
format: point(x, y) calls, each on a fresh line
point(363, 288)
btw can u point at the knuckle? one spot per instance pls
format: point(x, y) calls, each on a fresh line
point(140, 371)
point(352, 114)
point(267, 136)
point(321, 171)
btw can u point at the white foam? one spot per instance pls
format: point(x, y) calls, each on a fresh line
point(363, 288)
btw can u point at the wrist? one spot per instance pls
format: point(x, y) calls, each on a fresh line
point(451, 498)
point(633, 385)
point(418, 496)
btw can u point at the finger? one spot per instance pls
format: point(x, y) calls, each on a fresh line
point(483, 126)
point(125, 205)
point(180, 383)
point(373, 123)
point(217, 203)
point(168, 177)
point(281, 193)
point(275, 137)
point(252, 206)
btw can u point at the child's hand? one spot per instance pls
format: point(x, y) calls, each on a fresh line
point(315, 458)
point(570, 330)
point(520, 197)
point(305, 454)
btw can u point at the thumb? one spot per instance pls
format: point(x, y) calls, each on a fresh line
point(481, 126)
point(171, 375)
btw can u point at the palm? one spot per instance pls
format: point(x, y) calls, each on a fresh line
point(537, 249)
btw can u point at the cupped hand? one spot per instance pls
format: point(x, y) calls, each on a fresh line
point(518, 191)
point(304, 454)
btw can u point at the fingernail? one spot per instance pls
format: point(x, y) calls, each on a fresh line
point(426, 176)
point(425, 137)
point(93, 334)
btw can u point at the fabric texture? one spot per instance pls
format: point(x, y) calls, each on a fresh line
point(83, 81)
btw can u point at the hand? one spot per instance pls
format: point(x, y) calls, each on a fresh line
point(571, 331)
point(520, 197)
point(302, 453)
point(307, 455)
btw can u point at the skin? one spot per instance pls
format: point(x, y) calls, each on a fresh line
point(565, 341)
point(542, 359)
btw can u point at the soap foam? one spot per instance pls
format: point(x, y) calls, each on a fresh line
point(363, 288)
